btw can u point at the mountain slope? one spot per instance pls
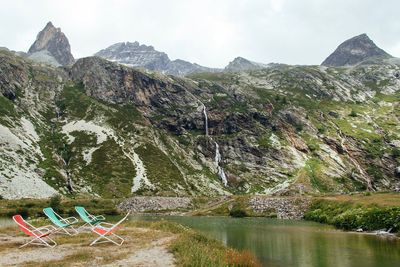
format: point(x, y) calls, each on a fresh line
point(101, 128)
point(354, 51)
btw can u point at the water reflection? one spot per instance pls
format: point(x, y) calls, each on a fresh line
point(297, 244)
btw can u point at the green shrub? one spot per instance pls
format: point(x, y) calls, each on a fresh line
point(321, 129)
point(299, 127)
point(55, 202)
point(238, 211)
point(353, 113)
point(24, 212)
point(375, 172)
point(349, 216)
point(395, 152)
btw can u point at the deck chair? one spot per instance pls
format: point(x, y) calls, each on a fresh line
point(88, 218)
point(40, 235)
point(63, 224)
point(106, 231)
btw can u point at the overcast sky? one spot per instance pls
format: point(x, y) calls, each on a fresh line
point(208, 32)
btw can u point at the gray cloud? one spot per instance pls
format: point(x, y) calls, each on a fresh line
point(208, 32)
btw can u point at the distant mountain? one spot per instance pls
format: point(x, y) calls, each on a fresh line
point(242, 64)
point(51, 46)
point(137, 55)
point(354, 51)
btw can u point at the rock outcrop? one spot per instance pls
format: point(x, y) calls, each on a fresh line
point(50, 43)
point(354, 51)
point(154, 204)
point(285, 208)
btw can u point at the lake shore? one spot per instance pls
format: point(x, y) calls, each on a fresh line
point(150, 244)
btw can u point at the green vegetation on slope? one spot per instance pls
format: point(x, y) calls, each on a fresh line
point(351, 214)
point(110, 172)
point(160, 169)
point(7, 110)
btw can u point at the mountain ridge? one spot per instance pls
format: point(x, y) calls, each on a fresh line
point(136, 55)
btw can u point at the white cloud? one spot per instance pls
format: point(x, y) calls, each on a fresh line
point(208, 32)
point(277, 5)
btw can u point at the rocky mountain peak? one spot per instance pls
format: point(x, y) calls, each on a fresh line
point(243, 64)
point(135, 55)
point(355, 50)
point(52, 42)
point(145, 56)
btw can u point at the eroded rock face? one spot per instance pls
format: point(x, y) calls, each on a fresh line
point(53, 41)
point(115, 83)
point(354, 51)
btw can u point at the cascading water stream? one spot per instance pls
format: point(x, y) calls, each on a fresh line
point(220, 170)
point(205, 118)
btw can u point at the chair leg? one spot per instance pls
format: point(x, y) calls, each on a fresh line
point(95, 241)
point(33, 239)
point(108, 240)
point(74, 231)
point(82, 226)
point(41, 242)
point(52, 241)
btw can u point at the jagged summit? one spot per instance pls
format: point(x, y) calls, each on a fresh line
point(135, 55)
point(354, 51)
point(140, 55)
point(243, 64)
point(51, 43)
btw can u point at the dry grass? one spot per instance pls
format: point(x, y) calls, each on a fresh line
point(75, 250)
point(242, 258)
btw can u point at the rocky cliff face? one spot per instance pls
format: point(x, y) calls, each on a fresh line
point(136, 55)
point(354, 51)
point(51, 46)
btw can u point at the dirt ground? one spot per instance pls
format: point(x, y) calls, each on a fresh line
point(142, 247)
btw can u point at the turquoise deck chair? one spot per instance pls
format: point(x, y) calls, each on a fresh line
point(62, 224)
point(88, 218)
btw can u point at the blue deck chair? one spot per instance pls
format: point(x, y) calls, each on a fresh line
point(62, 224)
point(88, 218)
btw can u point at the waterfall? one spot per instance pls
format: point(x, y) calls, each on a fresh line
point(205, 118)
point(217, 160)
point(221, 172)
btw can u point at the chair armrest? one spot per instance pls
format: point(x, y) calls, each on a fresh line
point(41, 231)
point(47, 227)
point(71, 220)
point(100, 217)
point(107, 225)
